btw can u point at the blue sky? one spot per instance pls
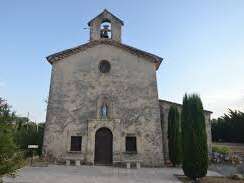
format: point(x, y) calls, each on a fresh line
point(202, 43)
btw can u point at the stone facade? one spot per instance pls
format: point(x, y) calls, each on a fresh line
point(78, 90)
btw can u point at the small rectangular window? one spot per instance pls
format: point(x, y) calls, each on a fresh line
point(75, 144)
point(131, 144)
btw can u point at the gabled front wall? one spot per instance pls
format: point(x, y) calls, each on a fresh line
point(77, 90)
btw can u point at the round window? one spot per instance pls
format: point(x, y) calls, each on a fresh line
point(104, 66)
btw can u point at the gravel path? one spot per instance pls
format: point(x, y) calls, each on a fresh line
point(227, 169)
point(95, 174)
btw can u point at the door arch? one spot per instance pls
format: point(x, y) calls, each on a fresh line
point(103, 146)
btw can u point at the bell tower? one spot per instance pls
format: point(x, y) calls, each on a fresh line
point(105, 26)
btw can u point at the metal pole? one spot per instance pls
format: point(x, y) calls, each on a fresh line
point(32, 156)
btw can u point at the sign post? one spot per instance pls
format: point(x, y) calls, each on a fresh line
point(32, 147)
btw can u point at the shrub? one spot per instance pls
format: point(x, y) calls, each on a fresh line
point(15, 137)
point(221, 149)
point(7, 149)
point(223, 154)
point(194, 136)
point(11, 165)
point(174, 136)
point(229, 127)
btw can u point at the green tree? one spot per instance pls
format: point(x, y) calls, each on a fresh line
point(16, 133)
point(7, 149)
point(6, 115)
point(8, 157)
point(229, 127)
point(174, 143)
point(194, 136)
point(30, 134)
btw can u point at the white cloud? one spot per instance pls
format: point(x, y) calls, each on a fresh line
point(219, 101)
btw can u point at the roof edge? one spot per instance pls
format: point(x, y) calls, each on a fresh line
point(106, 11)
point(180, 105)
point(68, 52)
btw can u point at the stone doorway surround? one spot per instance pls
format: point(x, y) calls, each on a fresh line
point(114, 125)
point(103, 147)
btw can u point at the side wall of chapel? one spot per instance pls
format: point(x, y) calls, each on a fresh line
point(164, 108)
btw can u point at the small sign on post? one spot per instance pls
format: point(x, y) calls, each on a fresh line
point(32, 147)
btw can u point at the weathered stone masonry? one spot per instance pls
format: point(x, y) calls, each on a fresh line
point(78, 90)
point(164, 110)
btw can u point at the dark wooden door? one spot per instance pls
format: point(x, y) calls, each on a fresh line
point(103, 146)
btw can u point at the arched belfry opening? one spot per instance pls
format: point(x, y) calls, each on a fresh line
point(105, 30)
point(105, 26)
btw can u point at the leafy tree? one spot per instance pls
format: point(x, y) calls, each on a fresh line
point(195, 151)
point(6, 115)
point(16, 133)
point(229, 127)
point(8, 148)
point(174, 136)
point(30, 133)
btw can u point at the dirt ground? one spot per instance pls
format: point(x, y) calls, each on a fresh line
point(212, 180)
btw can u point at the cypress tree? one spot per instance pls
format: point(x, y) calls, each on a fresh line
point(194, 136)
point(174, 136)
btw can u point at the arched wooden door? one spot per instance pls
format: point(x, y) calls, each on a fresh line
point(103, 146)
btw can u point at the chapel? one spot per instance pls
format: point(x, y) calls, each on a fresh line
point(103, 105)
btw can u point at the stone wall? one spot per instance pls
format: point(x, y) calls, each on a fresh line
point(78, 87)
point(164, 108)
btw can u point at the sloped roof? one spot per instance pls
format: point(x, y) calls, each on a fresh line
point(66, 53)
point(103, 14)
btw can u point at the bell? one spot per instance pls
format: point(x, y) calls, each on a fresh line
point(105, 34)
point(104, 31)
